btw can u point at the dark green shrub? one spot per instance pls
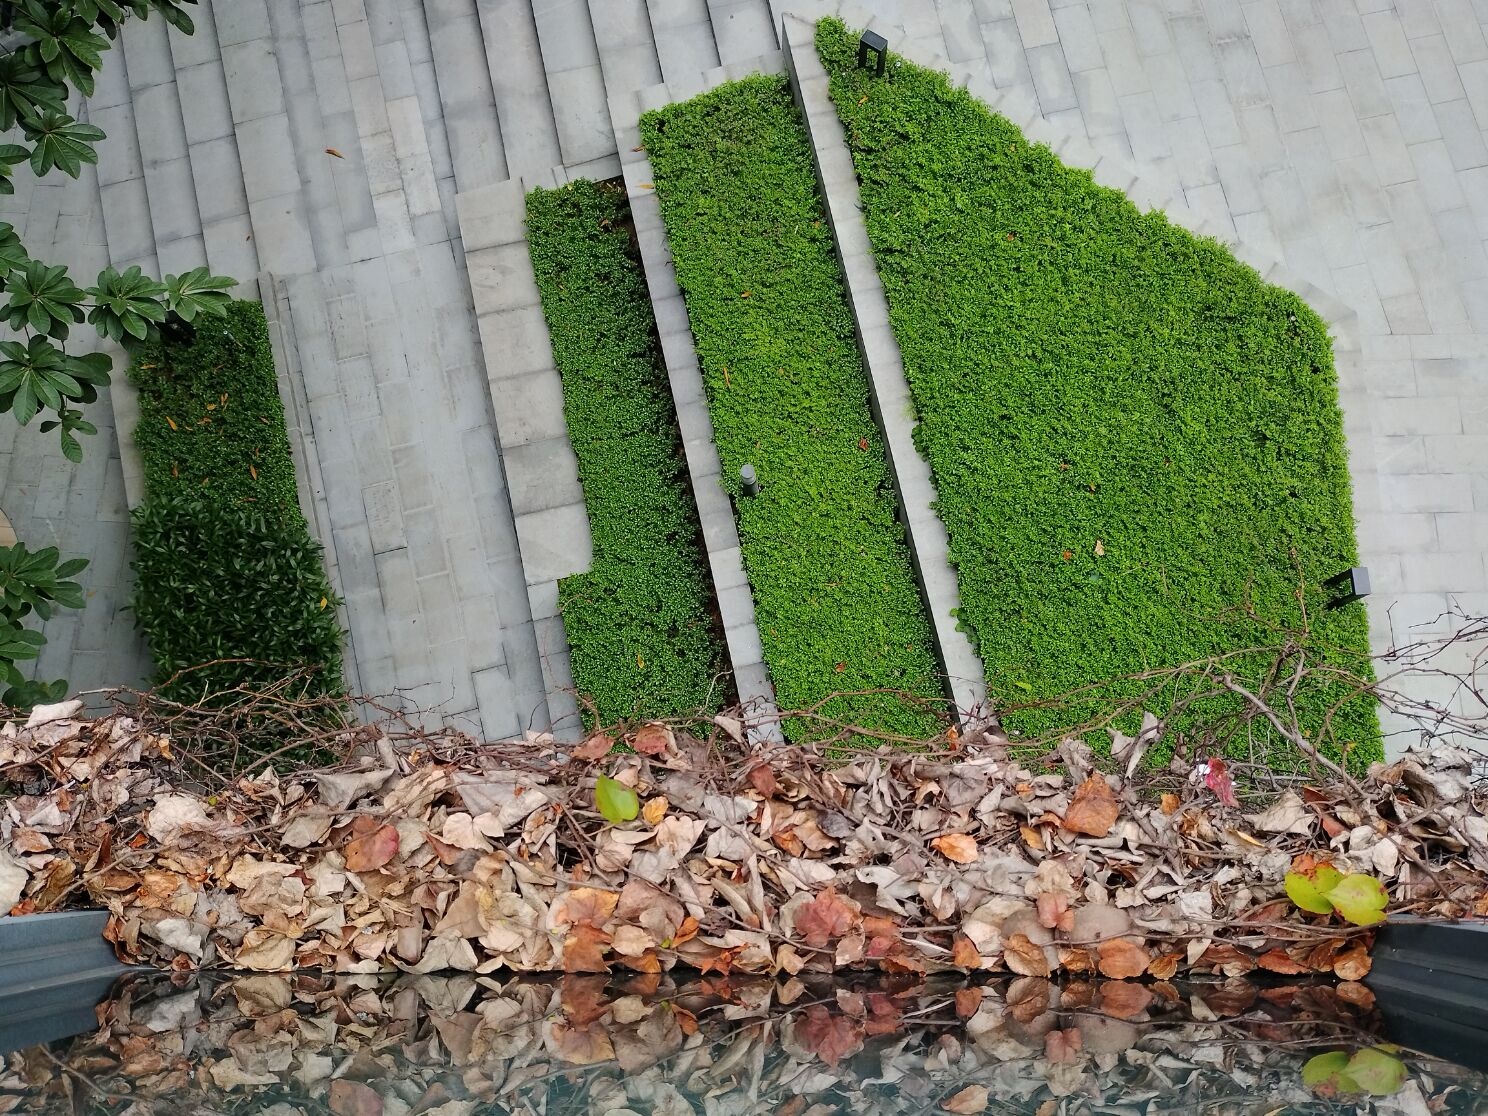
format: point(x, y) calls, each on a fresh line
point(640, 621)
point(219, 581)
point(1130, 433)
point(210, 416)
point(836, 601)
point(225, 567)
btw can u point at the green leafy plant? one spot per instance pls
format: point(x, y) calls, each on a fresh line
point(835, 597)
point(32, 585)
point(225, 568)
point(1374, 1070)
point(615, 801)
point(234, 588)
point(639, 622)
point(1130, 434)
point(1323, 889)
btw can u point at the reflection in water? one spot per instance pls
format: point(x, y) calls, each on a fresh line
point(460, 1045)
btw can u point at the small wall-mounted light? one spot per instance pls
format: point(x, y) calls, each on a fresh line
point(1354, 584)
point(875, 42)
point(748, 481)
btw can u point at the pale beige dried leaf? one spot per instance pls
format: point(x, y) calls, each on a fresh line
point(958, 847)
point(968, 1101)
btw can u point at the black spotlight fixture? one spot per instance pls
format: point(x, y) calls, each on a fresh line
point(875, 42)
point(1353, 583)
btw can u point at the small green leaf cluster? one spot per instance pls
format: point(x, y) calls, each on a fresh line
point(1357, 896)
point(1374, 1070)
point(1130, 434)
point(835, 597)
point(225, 567)
point(640, 622)
point(211, 420)
point(32, 585)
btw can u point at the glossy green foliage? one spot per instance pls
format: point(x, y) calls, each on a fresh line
point(222, 581)
point(32, 585)
point(640, 621)
point(836, 601)
point(225, 567)
point(1130, 433)
point(210, 416)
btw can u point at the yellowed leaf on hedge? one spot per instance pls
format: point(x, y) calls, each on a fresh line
point(1100, 550)
point(172, 422)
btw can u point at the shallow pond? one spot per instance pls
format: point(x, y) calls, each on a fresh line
point(463, 1045)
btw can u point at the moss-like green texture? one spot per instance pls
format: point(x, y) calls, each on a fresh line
point(225, 566)
point(836, 601)
point(1130, 433)
point(640, 622)
point(211, 421)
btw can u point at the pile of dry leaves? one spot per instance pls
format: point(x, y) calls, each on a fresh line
point(452, 855)
point(456, 1046)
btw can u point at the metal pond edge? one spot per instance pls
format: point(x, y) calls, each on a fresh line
point(1430, 980)
point(54, 969)
point(715, 512)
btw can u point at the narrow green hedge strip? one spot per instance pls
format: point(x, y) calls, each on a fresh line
point(1129, 431)
point(836, 601)
point(210, 416)
point(640, 622)
point(225, 567)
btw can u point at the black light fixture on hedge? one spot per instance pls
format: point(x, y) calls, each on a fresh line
point(875, 42)
point(748, 481)
point(1354, 582)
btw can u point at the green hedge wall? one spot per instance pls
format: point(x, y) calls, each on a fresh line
point(210, 416)
point(1129, 431)
point(836, 601)
point(640, 622)
point(225, 567)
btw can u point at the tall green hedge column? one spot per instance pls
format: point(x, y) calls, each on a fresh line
point(835, 599)
point(1130, 434)
point(639, 622)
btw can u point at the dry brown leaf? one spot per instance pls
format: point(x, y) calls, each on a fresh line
point(830, 1035)
point(1093, 810)
point(1031, 837)
point(1123, 1000)
point(1279, 961)
point(956, 846)
point(368, 853)
point(1063, 1046)
point(1024, 957)
point(1164, 965)
point(584, 949)
point(584, 905)
point(1054, 911)
point(651, 739)
point(1121, 958)
point(1360, 995)
point(1353, 963)
point(762, 779)
point(964, 953)
point(595, 748)
point(1169, 803)
point(968, 1000)
point(825, 919)
point(968, 1101)
point(654, 810)
point(352, 1098)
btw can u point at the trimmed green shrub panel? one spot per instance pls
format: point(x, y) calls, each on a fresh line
point(222, 581)
point(211, 418)
point(225, 567)
point(835, 598)
point(640, 622)
point(1130, 433)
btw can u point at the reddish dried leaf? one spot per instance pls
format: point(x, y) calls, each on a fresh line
point(582, 1046)
point(583, 999)
point(1031, 837)
point(968, 1000)
point(830, 1035)
point(1279, 961)
point(1234, 998)
point(964, 953)
point(686, 1021)
point(1025, 957)
point(1217, 778)
point(1169, 803)
point(584, 949)
point(1076, 959)
point(352, 1098)
point(1228, 959)
point(584, 905)
point(367, 854)
point(1063, 1046)
point(956, 846)
point(824, 919)
point(1352, 992)
point(1121, 958)
point(1352, 964)
point(1093, 810)
point(762, 779)
point(1053, 911)
point(1122, 999)
point(651, 740)
point(596, 747)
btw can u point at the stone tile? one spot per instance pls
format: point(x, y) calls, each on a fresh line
point(1387, 148)
point(219, 179)
point(1051, 78)
point(1462, 135)
point(1387, 39)
point(581, 113)
point(253, 83)
point(1438, 69)
point(204, 106)
point(1128, 75)
point(1269, 33)
point(1426, 493)
point(1006, 60)
point(555, 542)
point(1366, 88)
point(1036, 26)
